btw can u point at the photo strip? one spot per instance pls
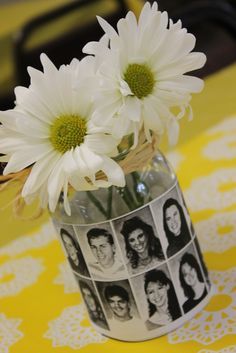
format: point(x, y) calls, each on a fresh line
point(72, 249)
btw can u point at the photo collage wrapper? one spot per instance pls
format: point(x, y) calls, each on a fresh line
point(144, 267)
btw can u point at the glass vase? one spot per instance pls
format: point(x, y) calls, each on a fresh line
point(135, 255)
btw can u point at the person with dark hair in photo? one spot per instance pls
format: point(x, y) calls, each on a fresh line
point(119, 302)
point(202, 262)
point(175, 226)
point(162, 300)
point(143, 248)
point(94, 308)
point(75, 256)
point(192, 281)
point(107, 263)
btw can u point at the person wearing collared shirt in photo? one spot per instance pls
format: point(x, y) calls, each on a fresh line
point(107, 263)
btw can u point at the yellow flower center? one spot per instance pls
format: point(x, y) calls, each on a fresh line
point(68, 131)
point(140, 80)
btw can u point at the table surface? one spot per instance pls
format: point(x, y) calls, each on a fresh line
point(40, 308)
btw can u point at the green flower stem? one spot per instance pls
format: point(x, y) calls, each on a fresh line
point(97, 203)
point(128, 198)
point(109, 202)
point(132, 201)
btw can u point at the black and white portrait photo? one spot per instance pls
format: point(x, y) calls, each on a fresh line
point(141, 244)
point(191, 280)
point(92, 303)
point(74, 253)
point(104, 260)
point(189, 221)
point(175, 226)
point(120, 305)
point(163, 305)
point(202, 262)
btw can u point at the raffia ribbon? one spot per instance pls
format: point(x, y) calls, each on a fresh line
point(135, 160)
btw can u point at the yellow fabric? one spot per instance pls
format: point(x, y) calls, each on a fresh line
point(40, 310)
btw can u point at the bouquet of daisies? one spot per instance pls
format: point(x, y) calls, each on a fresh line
point(68, 129)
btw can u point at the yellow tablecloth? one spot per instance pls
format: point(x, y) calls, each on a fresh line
point(40, 308)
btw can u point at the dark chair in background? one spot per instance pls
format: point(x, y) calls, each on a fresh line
point(68, 28)
point(61, 34)
point(213, 22)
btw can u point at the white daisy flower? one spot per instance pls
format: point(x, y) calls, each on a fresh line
point(51, 129)
point(142, 73)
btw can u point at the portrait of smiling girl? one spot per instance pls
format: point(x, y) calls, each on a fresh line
point(175, 226)
point(143, 248)
point(192, 281)
point(163, 305)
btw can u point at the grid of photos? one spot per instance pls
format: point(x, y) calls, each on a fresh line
point(144, 268)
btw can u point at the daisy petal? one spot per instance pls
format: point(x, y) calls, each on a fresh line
point(40, 173)
point(113, 171)
point(14, 120)
point(65, 198)
point(43, 196)
point(93, 142)
point(55, 183)
point(92, 160)
point(108, 29)
point(29, 101)
point(183, 84)
point(191, 62)
point(81, 184)
point(132, 108)
point(173, 131)
point(25, 157)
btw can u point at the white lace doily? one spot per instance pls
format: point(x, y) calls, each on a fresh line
point(227, 125)
point(217, 233)
point(9, 334)
point(66, 278)
point(19, 274)
point(68, 330)
point(213, 322)
point(29, 242)
point(221, 149)
point(215, 191)
point(175, 158)
point(229, 349)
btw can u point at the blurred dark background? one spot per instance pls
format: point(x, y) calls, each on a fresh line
point(61, 28)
